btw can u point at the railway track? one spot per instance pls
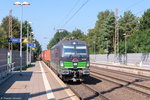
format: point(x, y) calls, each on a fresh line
point(95, 94)
point(123, 83)
point(86, 92)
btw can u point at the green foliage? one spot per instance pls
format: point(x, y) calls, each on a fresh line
point(57, 37)
point(4, 31)
point(3, 38)
point(37, 50)
point(15, 30)
point(128, 23)
point(109, 32)
point(24, 33)
point(78, 34)
point(103, 32)
point(145, 20)
point(140, 42)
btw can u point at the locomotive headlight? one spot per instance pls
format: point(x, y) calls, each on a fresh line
point(74, 43)
point(61, 63)
point(88, 64)
point(75, 64)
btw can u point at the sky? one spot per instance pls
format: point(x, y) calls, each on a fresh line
point(49, 15)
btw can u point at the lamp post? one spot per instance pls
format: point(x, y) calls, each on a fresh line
point(125, 46)
point(106, 39)
point(21, 4)
point(94, 51)
point(30, 47)
point(27, 39)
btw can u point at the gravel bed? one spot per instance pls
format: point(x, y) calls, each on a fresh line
point(83, 91)
point(142, 81)
point(112, 90)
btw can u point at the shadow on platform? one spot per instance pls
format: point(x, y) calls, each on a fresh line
point(14, 96)
point(44, 92)
point(25, 76)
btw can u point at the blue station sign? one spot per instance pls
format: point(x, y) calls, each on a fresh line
point(14, 40)
point(31, 45)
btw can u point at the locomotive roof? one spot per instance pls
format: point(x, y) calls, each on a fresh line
point(69, 42)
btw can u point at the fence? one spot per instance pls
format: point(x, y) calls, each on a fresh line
point(4, 66)
point(132, 58)
point(3, 56)
point(16, 58)
point(5, 69)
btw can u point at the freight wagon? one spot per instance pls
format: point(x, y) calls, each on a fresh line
point(45, 55)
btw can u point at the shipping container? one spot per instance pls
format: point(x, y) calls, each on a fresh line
point(46, 55)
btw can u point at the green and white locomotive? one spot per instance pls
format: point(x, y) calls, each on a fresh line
point(70, 60)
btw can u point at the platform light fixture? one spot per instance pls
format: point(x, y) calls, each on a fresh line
point(21, 4)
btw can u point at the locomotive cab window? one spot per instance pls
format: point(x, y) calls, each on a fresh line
point(69, 50)
point(74, 50)
point(81, 50)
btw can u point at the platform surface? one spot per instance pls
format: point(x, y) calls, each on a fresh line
point(37, 83)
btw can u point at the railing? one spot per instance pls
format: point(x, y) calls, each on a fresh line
point(6, 69)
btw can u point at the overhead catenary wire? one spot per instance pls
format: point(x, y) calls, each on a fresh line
point(132, 5)
point(75, 13)
point(141, 11)
point(74, 6)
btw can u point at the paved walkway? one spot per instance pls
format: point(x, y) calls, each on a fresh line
point(37, 83)
point(124, 68)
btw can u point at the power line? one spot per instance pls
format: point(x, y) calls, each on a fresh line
point(136, 3)
point(75, 13)
point(139, 12)
point(71, 9)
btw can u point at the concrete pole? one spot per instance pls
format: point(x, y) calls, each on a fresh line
point(27, 43)
point(30, 47)
point(21, 38)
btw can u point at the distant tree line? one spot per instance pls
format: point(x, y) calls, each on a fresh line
point(4, 34)
point(136, 29)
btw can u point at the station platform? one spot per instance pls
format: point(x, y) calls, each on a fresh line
point(37, 83)
point(144, 71)
point(144, 67)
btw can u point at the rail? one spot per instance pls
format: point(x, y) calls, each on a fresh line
point(6, 69)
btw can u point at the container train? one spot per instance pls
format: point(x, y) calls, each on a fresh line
point(69, 59)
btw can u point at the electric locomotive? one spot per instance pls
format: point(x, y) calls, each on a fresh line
point(70, 60)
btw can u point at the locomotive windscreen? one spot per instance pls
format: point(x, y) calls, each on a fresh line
point(74, 50)
point(69, 50)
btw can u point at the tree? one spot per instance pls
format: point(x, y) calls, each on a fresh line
point(15, 31)
point(145, 20)
point(91, 37)
point(37, 50)
point(139, 42)
point(100, 32)
point(109, 32)
point(57, 37)
point(78, 34)
point(128, 23)
point(3, 38)
point(24, 33)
